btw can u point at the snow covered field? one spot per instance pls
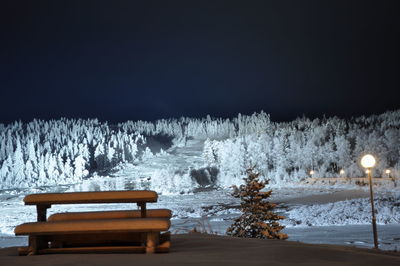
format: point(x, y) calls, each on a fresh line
point(344, 222)
point(195, 186)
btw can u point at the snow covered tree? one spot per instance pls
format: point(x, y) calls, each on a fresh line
point(52, 171)
point(29, 170)
point(209, 152)
point(80, 169)
point(18, 164)
point(258, 219)
point(110, 154)
point(31, 152)
point(42, 178)
point(69, 170)
point(5, 172)
point(147, 154)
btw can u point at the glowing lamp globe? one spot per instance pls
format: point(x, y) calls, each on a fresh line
point(387, 171)
point(342, 172)
point(368, 161)
point(311, 172)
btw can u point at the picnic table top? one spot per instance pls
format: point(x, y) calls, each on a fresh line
point(125, 196)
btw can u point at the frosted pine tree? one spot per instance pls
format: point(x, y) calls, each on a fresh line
point(42, 178)
point(258, 219)
point(19, 165)
point(31, 153)
point(80, 169)
point(209, 153)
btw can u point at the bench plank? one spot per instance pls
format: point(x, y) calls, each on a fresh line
point(68, 216)
point(136, 196)
point(163, 248)
point(109, 239)
point(104, 249)
point(93, 226)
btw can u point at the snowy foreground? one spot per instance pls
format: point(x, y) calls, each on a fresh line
point(336, 221)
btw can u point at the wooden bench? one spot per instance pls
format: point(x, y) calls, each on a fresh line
point(110, 231)
point(42, 233)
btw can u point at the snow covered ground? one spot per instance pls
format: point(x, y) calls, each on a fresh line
point(315, 213)
point(214, 211)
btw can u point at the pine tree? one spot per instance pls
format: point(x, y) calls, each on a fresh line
point(258, 219)
point(80, 168)
point(18, 164)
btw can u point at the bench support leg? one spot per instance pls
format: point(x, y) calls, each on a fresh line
point(151, 242)
point(36, 243)
point(33, 245)
point(142, 206)
point(42, 212)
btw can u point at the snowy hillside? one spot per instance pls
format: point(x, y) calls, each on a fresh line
point(67, 151)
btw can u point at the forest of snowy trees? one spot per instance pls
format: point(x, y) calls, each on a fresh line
point(61, 151)
point(45, 153)
point(285, 152)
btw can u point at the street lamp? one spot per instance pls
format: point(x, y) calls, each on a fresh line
point(388, 172)
point(368, 161)
point(312, 173)
point(341, 173)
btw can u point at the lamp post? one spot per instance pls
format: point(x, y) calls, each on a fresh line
point(388, 172)
point(368, 161)
point(342, 175)
point(312, 173)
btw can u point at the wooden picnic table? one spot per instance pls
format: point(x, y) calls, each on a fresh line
point(43, 201)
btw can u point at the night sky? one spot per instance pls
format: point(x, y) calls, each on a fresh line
point(130, 60)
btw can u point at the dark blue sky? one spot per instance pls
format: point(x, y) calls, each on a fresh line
point(120, 60)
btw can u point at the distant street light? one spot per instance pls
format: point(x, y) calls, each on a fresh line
point(311, 173)
point(388, 172)
point(368, 161)
point(341, 173)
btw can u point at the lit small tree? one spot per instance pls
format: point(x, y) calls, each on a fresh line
point(257, 219)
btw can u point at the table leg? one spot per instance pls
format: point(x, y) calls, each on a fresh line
point(36, 243)
point(151, 242)
point(143, 209)
point(42, 212)
point(33, 245)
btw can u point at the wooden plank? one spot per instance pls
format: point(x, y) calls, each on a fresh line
point(109, 239)
point(163, 248)
point(150, 213)
point(94, 226)
point(102, 249)
point(131, 196)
